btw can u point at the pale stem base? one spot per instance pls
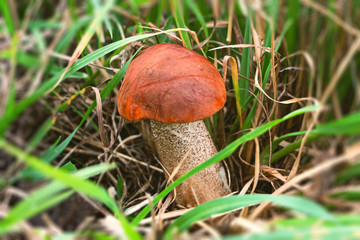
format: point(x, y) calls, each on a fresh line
point(172, 142)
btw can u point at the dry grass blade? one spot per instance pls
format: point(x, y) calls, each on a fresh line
point(246, 187)
point(235, 79)
point(309, 60)
point(266, 49)
point(231, 5)
point(177, 168)
point(113, 226)
point(296, 164)
point(255, 179)
point(217, 24)
point(129, 15)
point(212, 232)
point(171, 36)
point(332, 16)
point(194, 35)
point(99, 65)
point(215, 8)
point(273, 71)
point(239, 224)
point(243, 4)
point(351, 155)
point(257, 164)
point(164, 216)
point(121, 155)
point(273, 172)
point(258, 107)
point(139, 206)
point(102, 132)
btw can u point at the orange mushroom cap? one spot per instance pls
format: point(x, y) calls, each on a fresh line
point(169, 83)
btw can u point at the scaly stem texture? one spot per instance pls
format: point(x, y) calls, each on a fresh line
point(172, 142)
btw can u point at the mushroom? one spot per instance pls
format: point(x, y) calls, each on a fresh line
point(176, 89)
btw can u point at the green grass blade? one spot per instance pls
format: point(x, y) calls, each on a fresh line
point(348, 125)
point(347, 195)
point(6, 13)
point(32, 62)
point(160, 10)
point(83, 186)
point(319, 233)
point(350, 172)
point(290, 148)
point(28, 210)
point(245, 62)
point(40, 134)
point(308, 222)
point(179, 19)
point(43, 24)
point(195, 9)
point(294, 13)
point(51, 155)
point(226, 204)
point(97, 5)
point(46, 197)
point(86, 187)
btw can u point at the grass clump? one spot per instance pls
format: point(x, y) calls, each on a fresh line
point(288, 133)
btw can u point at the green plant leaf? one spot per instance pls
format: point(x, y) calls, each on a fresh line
point(195, 9)
point(348, 125)
point(179, 19)
point(320, 233)
point(226, 204)
point(47, 196)
point(80, 185)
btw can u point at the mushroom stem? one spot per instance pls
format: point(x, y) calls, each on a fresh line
point(172, 142)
